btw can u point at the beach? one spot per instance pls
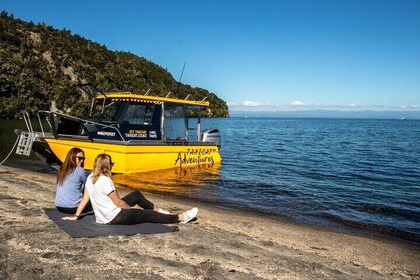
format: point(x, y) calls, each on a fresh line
point(221, 244)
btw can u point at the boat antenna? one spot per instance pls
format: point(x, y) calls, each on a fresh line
point(182, 72)
point(180, 77)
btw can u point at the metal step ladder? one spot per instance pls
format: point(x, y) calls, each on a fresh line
point(24, 147)
point(26, 138)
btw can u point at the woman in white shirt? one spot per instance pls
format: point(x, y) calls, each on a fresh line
point(109, 208)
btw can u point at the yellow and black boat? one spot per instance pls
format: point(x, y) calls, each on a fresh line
point(140, 132)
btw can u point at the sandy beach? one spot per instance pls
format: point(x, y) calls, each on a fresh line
point(221, 244)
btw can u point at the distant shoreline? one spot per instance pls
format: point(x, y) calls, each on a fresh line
point(392, 115)
point(371, 115)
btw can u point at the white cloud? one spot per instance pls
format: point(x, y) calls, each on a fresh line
point(320, 105)
point(297, 103)
point(413, 106)
point(377, 106)
point(351, 105)
point(248, 103)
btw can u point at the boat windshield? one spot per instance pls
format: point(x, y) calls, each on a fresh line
point(112, 112)
point(138, 113)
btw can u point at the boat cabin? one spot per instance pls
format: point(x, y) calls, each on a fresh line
point(133, 118)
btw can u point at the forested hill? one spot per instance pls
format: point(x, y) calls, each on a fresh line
point(40, 68)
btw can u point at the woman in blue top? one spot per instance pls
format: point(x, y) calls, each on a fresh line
point(71, 181)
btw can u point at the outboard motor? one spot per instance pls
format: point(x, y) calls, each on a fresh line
point(211, 135)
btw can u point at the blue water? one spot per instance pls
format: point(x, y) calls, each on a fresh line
point(361, 176)
point(343, 173)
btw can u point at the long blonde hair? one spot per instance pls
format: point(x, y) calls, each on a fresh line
point(69, 165)
point(102, 166)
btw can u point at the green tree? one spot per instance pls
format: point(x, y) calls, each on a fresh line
point(40, 65)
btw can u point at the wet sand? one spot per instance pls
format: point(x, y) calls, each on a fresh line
point(221, 244)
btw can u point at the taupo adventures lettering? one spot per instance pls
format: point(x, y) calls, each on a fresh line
point(184, 158)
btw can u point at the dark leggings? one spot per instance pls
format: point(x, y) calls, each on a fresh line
point(73, 210)
point(137, 216)
point(136, 198)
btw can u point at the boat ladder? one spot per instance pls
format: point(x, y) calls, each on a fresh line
point(26, 138)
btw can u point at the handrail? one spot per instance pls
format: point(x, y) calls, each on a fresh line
point(40, 122)
point(27, 121)
point(82, 122)
point(47, 119)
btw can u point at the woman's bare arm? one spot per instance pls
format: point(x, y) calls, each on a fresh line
point(118, 201)
point(82, 205)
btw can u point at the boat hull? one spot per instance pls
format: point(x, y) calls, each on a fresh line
point(131, 158)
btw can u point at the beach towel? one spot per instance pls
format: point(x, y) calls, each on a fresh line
point(86, 226)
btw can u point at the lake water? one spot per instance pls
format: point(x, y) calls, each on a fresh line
point(361, 176)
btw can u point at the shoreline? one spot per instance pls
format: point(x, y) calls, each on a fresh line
point(223, 244)
point(329, 227)
point(41, 167)
point(333, 227)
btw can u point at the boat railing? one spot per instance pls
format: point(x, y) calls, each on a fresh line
point(27, 120)
point(50, 120)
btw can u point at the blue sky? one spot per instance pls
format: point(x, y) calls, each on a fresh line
point(262, 55)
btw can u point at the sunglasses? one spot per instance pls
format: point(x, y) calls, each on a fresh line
point(81, 158)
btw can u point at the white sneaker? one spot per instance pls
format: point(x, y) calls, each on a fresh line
point(163, 211)
point(189, 215)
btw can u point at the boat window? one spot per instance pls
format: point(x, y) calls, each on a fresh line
point(174, 123)
point(95, 114)
point(138, 113)
point(112, 112)
point(193, 126)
